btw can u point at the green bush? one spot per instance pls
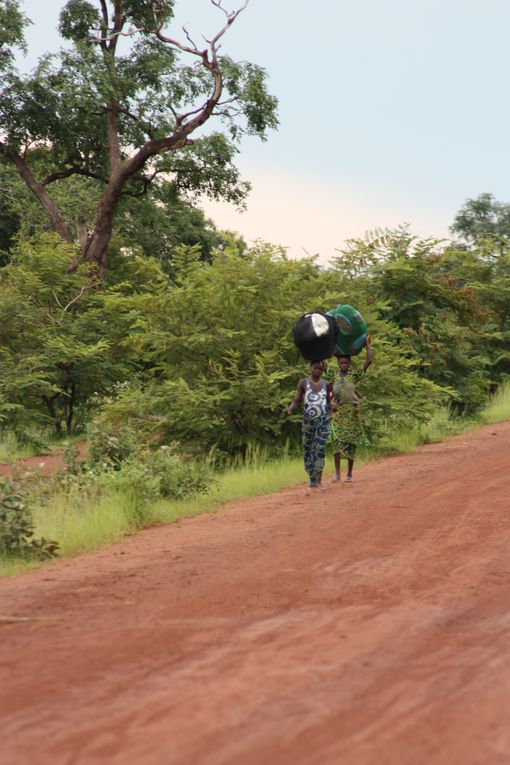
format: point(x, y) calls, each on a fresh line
point(161, 474)
point(109, 445)
point(17, 528)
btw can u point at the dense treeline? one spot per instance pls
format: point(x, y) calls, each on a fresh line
point(121, 305)
point(198, 351)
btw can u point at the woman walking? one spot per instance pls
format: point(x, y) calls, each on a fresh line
point(316, 397)
point(346, 429)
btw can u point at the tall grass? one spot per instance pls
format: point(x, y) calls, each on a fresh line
point(499, 407)
point(444, 423)
point(11, 448)
point(82, 523)
point(38, 442)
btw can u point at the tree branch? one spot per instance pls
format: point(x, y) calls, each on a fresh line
point(84, 288)
point(39, 191)
point(145, 125)
point(104, 11)
point(108, 37)
point(231, 17)
point(82, 233)
point(72, 170)
point(188, 37)
point(146, 181)
point(124, 169)
point(104, 26)
point(112, 133)
point(118, 23)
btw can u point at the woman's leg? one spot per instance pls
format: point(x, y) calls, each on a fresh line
point(351, 452)
point(308, 436)
point(336, 457)
point(334, 441)
point(321, 437)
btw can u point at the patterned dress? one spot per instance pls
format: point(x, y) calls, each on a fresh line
point(346, 430)
point(315, 428)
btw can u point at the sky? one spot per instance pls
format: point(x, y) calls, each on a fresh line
point(390, 112)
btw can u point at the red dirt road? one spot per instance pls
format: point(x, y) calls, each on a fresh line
point(367, 623)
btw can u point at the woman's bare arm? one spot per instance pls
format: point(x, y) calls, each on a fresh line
point(300, 392)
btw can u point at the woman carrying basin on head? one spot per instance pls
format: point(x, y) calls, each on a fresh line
point(346, 431)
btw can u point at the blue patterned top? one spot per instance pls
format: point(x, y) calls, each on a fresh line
point(315, 403)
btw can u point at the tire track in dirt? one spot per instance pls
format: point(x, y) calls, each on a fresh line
point(365, 623)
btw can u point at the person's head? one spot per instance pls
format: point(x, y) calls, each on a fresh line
point(344, 363)
point(316, 370)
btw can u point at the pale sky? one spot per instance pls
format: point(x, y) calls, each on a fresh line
point(390, 112)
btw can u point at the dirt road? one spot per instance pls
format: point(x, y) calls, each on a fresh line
point(367, 623)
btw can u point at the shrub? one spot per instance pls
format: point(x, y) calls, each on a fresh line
point(152, 475)
point(108, 446)
point(17, 528)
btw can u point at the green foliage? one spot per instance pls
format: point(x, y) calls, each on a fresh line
point(484, 219)
point(108, 448)
point(10, 220)
point(12, 23)
point(439, 321)
point(498, 407)
point(151, 475)
point(127, 459)
point(161, 222)
point(77, 19)
point(155, 223)
point(487, 278)
point(218, 353)
point(17, 528)
point(222, 365)
point(61, 339)
point(95, 111)
point(207, 166)
point(203, 355)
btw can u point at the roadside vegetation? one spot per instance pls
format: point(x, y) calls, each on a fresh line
point(84, 520)
point(130, 321)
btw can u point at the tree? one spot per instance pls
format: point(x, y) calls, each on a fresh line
point(9, 226)
point(12, 23)
point(484, 218)
point(439, 319)
point(157, 222)
point(123, 121)
point(221, 364)
point(62, 343)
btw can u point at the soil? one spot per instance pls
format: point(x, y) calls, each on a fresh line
point(364, 623)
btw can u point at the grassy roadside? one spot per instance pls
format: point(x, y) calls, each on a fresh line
point(44, 444)
point(117, 515)
point(499, 407)
point(11, 450)
point(83, 524)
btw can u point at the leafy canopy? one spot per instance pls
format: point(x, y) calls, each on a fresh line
point(123, 114)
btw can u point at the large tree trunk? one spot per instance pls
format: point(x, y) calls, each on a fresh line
point(97, 245)
point(69, 408)
point(50, 403)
